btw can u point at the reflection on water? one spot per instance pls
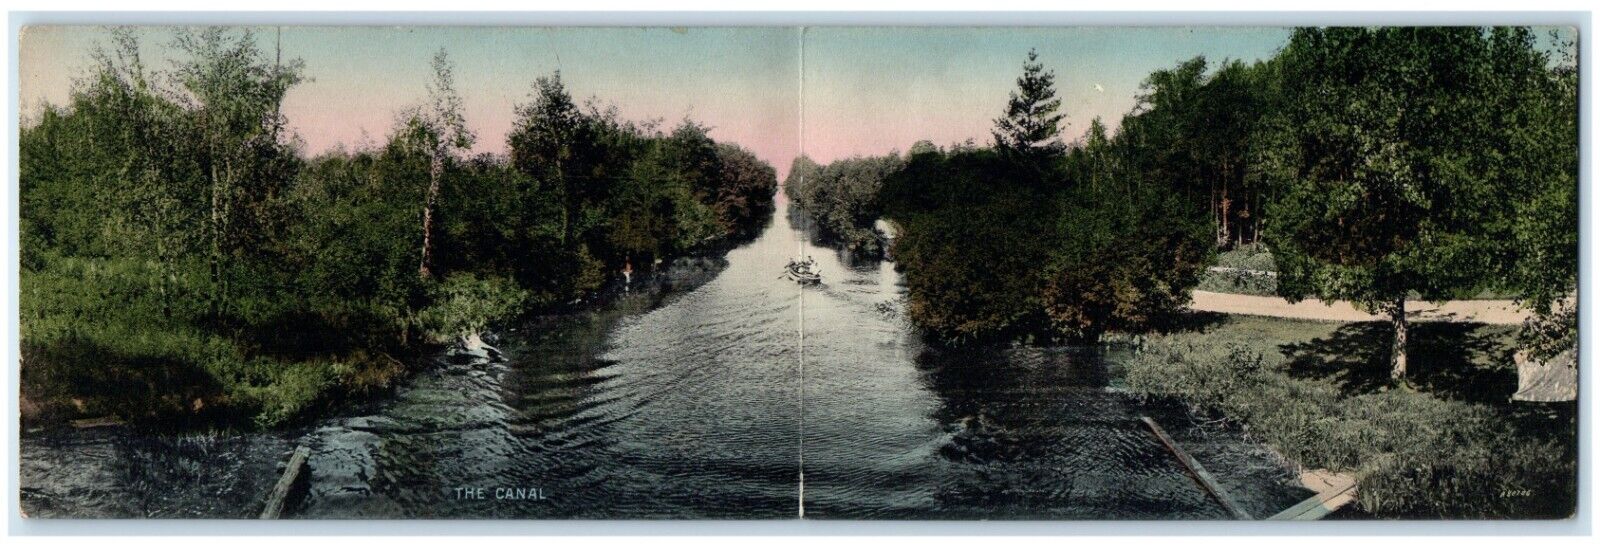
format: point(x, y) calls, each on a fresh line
point(685, 400)
point(897, 429)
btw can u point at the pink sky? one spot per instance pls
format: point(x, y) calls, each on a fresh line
point(866, 90)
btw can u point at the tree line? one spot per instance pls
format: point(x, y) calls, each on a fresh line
point(1377, 164)
point(180, 251)
point(843, 198)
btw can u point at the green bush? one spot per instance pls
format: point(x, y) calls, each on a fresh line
point(1255, 257)
point(1124, 258)
point(464, 304)
point(1239, 282)
point(97, 340)
point(974, 242)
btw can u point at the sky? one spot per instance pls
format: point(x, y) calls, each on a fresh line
point(863, 90)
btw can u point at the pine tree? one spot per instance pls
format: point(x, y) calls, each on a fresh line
point(1032, 122)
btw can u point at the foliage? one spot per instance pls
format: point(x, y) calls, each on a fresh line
point(1249, 257)
point(1540, 264)
point(994, 246)
point(843, 198)
point(1445, 454)
point(464, 303)
point(182, 262)
point(1239, 282)
point(231, 96)
point(1245, 269)
point(1125, 259)
point(439, 132)
point(746, 192)
point(1032, 123)
point(1406, 154)
point(1199, 132)
point(969, 245)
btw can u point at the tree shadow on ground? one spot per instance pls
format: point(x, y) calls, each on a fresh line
point(1456, 361)
point(97, 381)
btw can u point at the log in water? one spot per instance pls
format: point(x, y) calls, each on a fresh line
point(293, 473)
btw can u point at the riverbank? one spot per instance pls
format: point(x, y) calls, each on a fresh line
point(139, 366)
point(1318, 393)
point(451, 405)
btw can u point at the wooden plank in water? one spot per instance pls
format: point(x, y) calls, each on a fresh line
point(1199, 471)
point(1320, 505)
point(291, 475)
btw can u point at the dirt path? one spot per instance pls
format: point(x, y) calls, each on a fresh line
point(1496, 312)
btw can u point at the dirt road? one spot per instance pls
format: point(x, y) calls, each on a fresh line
point(1497, 312)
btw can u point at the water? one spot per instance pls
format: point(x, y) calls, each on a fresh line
point(699, 398)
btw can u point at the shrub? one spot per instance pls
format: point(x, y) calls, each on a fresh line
point(1254, 257)
point(1239, 282)
point(465, 304)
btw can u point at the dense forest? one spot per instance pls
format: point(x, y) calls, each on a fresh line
point(1376, 164)
point(183, 258)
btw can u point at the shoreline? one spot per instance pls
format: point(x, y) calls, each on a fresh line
point(39, 414)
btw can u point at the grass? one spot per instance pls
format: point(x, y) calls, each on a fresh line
point(98, 339)
point(1319, 394)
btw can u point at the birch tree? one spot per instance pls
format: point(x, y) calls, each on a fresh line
point(440, 129)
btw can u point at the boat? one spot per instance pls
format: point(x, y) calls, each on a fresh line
point(802, 271)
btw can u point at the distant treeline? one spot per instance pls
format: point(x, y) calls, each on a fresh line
point(1374, 162)
point(181, 256)
point(843, 198)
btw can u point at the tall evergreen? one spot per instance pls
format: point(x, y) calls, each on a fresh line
point(1032, 124)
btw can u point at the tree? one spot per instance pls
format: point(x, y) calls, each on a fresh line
point(1091, 162)
point(745, 197)
point(801, 171)
point(1126, 250)
point(1030, 128)
point(844, 199)
point(1228, 108)
point(1394, 180)
point(234, 93)
point(1195, 131)
point(113, 174)
point(974, 233)
point(1540, 264)
point(440, 129)
point(547, 142)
